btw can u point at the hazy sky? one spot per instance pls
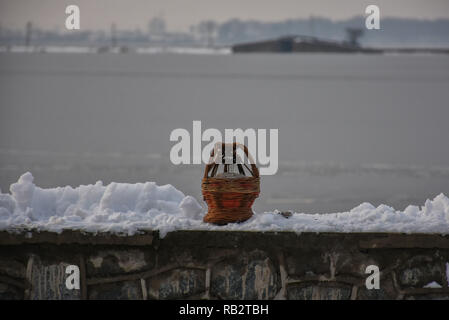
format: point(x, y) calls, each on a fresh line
point(180, 14)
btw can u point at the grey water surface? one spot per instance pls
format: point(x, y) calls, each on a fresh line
point(352, 128)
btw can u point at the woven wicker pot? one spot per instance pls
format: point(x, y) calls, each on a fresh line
point(230, 199)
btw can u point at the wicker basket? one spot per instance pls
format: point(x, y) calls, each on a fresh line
point(229, 199)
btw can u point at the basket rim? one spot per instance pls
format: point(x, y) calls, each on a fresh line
point(231, 179)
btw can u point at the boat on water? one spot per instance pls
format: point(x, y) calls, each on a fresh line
point(297, 44)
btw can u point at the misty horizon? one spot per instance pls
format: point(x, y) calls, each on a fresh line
point(180, 15)
point(147, 28)
point(394, 32)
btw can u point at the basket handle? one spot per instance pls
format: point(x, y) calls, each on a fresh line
point(254, 171)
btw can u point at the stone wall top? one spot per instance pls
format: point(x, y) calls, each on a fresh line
point(230, 238)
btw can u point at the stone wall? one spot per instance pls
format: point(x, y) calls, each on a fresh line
point(223, 265)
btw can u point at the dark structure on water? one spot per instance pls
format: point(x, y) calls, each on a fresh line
point(296, 44)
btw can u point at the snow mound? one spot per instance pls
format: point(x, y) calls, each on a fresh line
point(117, 207)
point(433, 285)
point(130, 208)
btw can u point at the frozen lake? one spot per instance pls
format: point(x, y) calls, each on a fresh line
point(352, 128)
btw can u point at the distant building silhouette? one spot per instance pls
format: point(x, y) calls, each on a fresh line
point(157, 27)
point(353, 36)
point(28, 31)
point(113, 35)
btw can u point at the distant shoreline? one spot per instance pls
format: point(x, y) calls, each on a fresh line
point(194, 50)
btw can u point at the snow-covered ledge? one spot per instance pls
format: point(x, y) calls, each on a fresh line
point(143, 241)
point(130, 208)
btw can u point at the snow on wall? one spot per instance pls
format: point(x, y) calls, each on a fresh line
point(128, 208)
